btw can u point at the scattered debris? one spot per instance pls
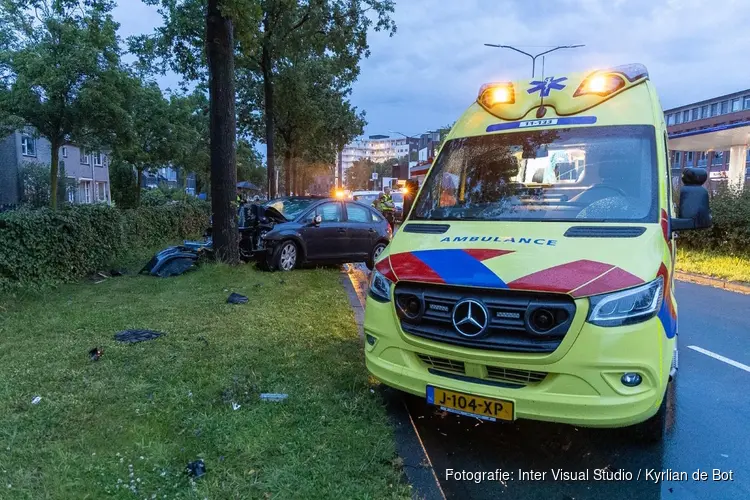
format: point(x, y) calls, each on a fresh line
point(133, 336)
point(36, 400)
point(236, 406)
point(273, 397)
point(196, 469)
point(96, 353)
point(236, 298)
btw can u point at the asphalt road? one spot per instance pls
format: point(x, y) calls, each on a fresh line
point(709, 428)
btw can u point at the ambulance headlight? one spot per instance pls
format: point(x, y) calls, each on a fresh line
point(492, 94)
point(380, 286)
point(627, 306)
point(601, 84)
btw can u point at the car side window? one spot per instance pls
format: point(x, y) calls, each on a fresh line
point(355, 213)
point(329, 212)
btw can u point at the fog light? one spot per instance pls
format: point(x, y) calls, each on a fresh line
point(630, 379)
point(370, 339)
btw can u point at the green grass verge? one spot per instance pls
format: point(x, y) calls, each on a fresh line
point(127, 425)
point(718, 265)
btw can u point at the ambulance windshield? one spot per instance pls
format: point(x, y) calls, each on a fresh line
point(602, 174)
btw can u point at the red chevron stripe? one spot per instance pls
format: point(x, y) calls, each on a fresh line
point(384, 268)
point(408, 267)
point(484, 254)
point(563, 278)
point(616, 279)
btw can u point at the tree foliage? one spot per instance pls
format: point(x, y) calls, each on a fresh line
point(60, 72)
point(277, 41)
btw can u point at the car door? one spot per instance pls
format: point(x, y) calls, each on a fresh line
point(325, 241)
point(361, 231)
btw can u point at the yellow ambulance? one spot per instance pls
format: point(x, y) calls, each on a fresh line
point(533, 277)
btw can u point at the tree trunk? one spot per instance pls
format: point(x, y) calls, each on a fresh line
point(220, 55)
point(138, 185)
point(268, 97)
point(288, 171)
point(55, 144)
point(295, 183)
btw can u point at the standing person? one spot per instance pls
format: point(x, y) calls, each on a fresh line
point(384, 203)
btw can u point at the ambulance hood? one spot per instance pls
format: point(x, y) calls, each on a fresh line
point(576, 259)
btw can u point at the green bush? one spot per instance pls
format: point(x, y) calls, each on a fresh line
point(46, 246)
point(730, 232)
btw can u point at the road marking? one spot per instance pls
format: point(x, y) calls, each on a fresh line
point(728, 361)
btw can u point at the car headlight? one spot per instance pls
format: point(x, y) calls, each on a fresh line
point(380, 286)
point(627, 306)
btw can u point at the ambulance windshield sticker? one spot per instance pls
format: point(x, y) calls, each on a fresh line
point(548, 84)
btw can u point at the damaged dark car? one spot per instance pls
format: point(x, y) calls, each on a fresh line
point(291, 232)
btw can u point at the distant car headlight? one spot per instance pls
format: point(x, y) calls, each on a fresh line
point(380, 286)
point(627, 306)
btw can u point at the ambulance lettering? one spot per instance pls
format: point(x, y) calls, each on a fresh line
point(500, 239)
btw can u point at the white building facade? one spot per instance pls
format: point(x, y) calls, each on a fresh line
point(376, 148)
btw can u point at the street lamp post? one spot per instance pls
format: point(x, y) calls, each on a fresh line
point(532, 56)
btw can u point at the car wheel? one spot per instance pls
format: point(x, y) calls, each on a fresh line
point(286, 256)
point(376, 251)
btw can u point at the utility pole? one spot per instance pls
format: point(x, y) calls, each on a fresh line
point(532, 56)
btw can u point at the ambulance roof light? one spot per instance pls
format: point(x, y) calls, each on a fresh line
point(494, 93)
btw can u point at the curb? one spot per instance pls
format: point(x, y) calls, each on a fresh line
point(701, 279)
point(417, 465)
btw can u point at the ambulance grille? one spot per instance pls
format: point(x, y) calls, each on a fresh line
point(525, 377)
point(509, 324)
point(442, 364)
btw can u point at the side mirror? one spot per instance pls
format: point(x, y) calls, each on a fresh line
point(317, 220)
point(694, 211)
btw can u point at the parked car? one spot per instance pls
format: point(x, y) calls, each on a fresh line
point(325, 231)
point(365, 197)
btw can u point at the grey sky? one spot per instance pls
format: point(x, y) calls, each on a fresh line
point(425, 75)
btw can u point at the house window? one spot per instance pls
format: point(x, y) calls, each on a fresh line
point(84, 157)
point(85, 191)
point(704, 112)
point(696, 113)
point(718, 158)
point(28, 146)
point(746, 105)
point(670, 119)
point(724, 107)
point(64, 152)
point(101, 191)
point(715, 109)
point(677, 159)
point(71, 191)
point(98, 159)
point(689, 159)
point(735, 105)
point(686, 116)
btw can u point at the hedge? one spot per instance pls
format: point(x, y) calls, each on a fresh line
point(730, 233)
point(49, 246)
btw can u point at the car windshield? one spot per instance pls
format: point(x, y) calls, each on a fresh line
point(605, 174)
point(365, 198)
point(398, 197)
point(290, 208)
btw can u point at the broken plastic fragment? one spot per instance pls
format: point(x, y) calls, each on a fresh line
point(95, 353)
point(273, 397)
point(236, 406)
point(36, 400)
point(196, 469)
point(133, 336)
point(236, 298)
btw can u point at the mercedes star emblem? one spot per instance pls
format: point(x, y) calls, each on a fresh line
point(470, 318)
